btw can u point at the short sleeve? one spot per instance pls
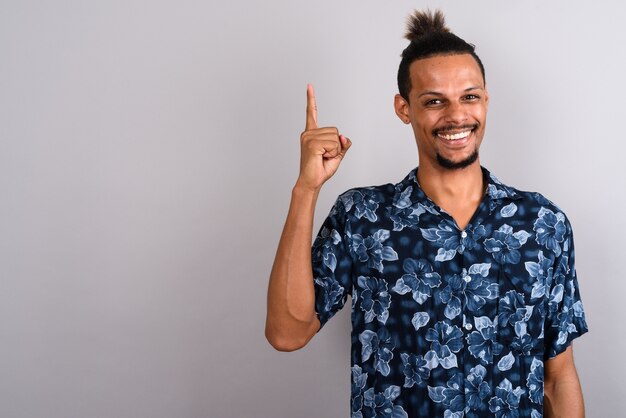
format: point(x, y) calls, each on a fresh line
point(332, 264)
point(565, 319)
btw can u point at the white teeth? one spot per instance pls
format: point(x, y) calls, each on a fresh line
point(453, 137)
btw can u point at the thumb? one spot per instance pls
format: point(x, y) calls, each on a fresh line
point(345, 144)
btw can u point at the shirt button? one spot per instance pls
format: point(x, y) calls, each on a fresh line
point(468, 326)
point(463, 234)
point(467, 279)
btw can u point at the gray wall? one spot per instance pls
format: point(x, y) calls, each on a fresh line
point(148, 150)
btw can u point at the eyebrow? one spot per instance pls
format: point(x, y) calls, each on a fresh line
point(436, 93)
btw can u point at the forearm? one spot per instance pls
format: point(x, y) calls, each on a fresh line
point(564, 398)
point(291, 319)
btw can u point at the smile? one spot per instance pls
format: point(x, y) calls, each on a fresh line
point(455, 137)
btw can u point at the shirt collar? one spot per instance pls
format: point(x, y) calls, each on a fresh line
point(498, 190)
point(495, 188)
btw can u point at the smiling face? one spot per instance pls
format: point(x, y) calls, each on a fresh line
point(447, 108)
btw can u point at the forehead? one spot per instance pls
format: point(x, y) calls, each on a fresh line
point(445, 73)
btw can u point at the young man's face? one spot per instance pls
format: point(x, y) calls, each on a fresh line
point(447, 109)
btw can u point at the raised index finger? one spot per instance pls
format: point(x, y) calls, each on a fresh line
point(311, 108)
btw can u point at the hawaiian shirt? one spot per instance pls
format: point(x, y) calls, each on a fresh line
point(448, 322)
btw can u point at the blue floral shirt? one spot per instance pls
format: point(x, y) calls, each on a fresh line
point(447, 322)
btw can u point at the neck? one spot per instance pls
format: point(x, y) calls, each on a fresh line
point(444, 185)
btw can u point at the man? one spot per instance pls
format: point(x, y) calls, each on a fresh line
point(464, 292)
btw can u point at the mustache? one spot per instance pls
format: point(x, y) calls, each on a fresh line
point(447, 128)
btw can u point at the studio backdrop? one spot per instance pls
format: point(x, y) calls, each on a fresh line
point(147, 155)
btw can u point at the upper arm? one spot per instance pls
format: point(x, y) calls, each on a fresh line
point(563, 395)
point(560, 367)
point(331, 265)
point(565, 319)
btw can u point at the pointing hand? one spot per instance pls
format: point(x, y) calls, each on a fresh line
point(322, 149)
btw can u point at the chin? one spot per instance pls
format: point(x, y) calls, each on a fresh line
point(457, 165)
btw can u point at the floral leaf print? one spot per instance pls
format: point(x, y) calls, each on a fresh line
point(523, 343)
point(556, 294)
point(415, 369)
point(420, 319)
point(482, 342)
point(364, 201)
point(403, 212)
point(476, 388)
point(534, 383)
point(451, 296)
point(324, 249)
point(472, 235)
point(559, 280)
point(513, 309)
point(371, 249)
point(379, 345)
point(403, 200)
point(450, 241)
point(405, 217)
point(542, 273)
point(445, 341)
point(495, 192)
point(506, 402)
point(470, 287)
point(550, 229)
point(478, 289)
point(328, 293)
point(359, 380)
point(375, 299)
point(570, 314)
point(504, 244)
point(508, 210)
point(446, 322)
point(542, 200)
point(419, 279)
point(446, 237)
point(380, 405)
point(506, 362)
point(452, 396)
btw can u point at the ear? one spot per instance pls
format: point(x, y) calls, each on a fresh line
point(402, 108)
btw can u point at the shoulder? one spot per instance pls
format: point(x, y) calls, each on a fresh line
point(537, 202)
point(529, 199)
point(368, 194)
point(364, 202)
point(546, 216)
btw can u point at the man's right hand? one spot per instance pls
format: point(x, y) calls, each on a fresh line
point(322, 149)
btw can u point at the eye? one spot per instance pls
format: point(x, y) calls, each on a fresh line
point(433, 102)
point(471, 97)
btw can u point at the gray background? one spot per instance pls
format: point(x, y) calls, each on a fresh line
point(148, 150)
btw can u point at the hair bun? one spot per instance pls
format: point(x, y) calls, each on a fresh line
point(422, 23)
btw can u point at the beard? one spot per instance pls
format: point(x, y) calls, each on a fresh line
point(457, 165)
point(452, 165)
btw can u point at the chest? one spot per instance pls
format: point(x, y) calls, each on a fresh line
point(486, 282)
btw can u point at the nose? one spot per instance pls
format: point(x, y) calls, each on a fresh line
point(455, 113)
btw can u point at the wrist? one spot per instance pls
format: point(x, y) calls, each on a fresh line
point(304, 190)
